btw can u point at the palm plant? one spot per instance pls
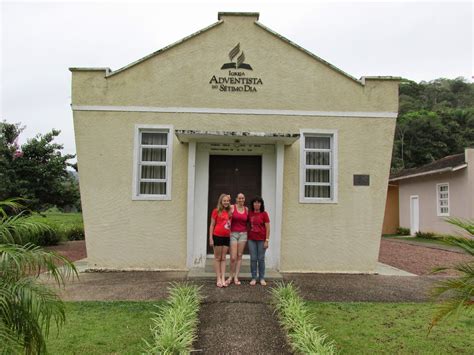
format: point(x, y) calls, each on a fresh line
point(459, 290)
point(27, 306)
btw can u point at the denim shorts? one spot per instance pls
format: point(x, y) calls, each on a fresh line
point(238, 236)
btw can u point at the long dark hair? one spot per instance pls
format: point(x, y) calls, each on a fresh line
point(259, 199)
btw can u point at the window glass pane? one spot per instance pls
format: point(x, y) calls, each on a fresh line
point(154, 154)
point(443, 188)
point(444, 209)
point(317, 142)
point(317, 191)
point(317, 175)
point(153, 172)
point(443, 202)
point(153, 188)
point(443, 195)
point(317, 158)
point(154, 138)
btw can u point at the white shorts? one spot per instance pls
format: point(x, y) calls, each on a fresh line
point(238, 237)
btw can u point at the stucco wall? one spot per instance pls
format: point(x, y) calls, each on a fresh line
point(391, 220)
point(122, 233)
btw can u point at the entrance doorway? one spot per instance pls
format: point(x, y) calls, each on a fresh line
point(414, 215)
point(232, 174)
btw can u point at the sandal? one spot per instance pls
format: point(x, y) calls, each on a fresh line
point(219, 284)
point(253, 282)
point(237, 281)
point(263, 282)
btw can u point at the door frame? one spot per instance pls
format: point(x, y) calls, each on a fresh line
point(198, 189)
point(414, 212)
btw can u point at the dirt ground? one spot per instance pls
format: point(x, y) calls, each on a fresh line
point(418, 259)
point(75, 250)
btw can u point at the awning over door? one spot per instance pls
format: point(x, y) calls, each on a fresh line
point(186, 136)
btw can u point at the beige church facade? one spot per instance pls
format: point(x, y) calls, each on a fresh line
point(233, 108)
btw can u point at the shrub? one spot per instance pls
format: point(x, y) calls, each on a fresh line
point(403, 231)
point(304, 337)
point(175, 324)
point(459, 290)
point(425, 235)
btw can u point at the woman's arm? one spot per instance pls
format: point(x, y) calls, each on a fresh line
point(211, 231)
point(267, 235)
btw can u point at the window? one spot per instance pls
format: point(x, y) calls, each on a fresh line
point(318, 151)
point(152, 165)
point(442, 198)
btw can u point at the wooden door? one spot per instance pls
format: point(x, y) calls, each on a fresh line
point(232, 174)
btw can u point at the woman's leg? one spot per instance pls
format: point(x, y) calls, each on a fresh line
point(225, 249)
point(253, 258)
point(233, 257)
point(261, 260)
point(240, 252)
point(217, 264)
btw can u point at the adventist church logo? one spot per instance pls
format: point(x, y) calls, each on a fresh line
point(240, 60)
point(236, 80)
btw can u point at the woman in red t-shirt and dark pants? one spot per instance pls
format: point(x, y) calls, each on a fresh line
point(219, 236)
point(258, 239)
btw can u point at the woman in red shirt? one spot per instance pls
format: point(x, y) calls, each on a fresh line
point(219, 236)
point(259, 236)
point(238, 237)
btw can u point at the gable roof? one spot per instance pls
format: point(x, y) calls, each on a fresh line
point(446, 164)
point(361, 81)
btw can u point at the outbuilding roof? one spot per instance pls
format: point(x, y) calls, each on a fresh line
point(446, 164)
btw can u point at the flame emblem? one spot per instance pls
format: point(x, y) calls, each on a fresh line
point(234, 52)
point(239, 64)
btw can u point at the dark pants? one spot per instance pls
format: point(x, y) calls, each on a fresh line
point(257, 257)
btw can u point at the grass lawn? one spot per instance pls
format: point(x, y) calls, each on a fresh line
point(60, 218)
point(357, 328)
point(103, 328)
point(391, 328)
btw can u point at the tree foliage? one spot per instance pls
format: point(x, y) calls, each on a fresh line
point(435, 119)
point(36, 171)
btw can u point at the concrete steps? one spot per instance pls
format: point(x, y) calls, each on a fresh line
point(207, 272)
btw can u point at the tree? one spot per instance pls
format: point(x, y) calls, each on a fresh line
point(435, 119)
point(27, 307)
point(460, 290)
point(37, 171)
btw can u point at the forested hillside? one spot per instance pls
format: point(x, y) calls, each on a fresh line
point(435, 119)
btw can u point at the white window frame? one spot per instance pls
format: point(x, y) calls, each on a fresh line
point(438, 200)
point(139, 128)
point(332, 133)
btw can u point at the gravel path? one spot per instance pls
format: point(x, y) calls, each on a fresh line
point(239, 328)
point(418, 259)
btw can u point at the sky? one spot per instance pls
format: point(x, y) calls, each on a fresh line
point(417, 40)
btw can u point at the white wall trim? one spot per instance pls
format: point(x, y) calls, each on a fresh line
point(235, 111)
point(190, 210)
point(275, 237)
point(335, 163)
point(169, 162)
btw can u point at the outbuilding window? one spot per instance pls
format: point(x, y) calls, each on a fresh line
point(442, 192)
point(318, 166)
point(152, 162)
